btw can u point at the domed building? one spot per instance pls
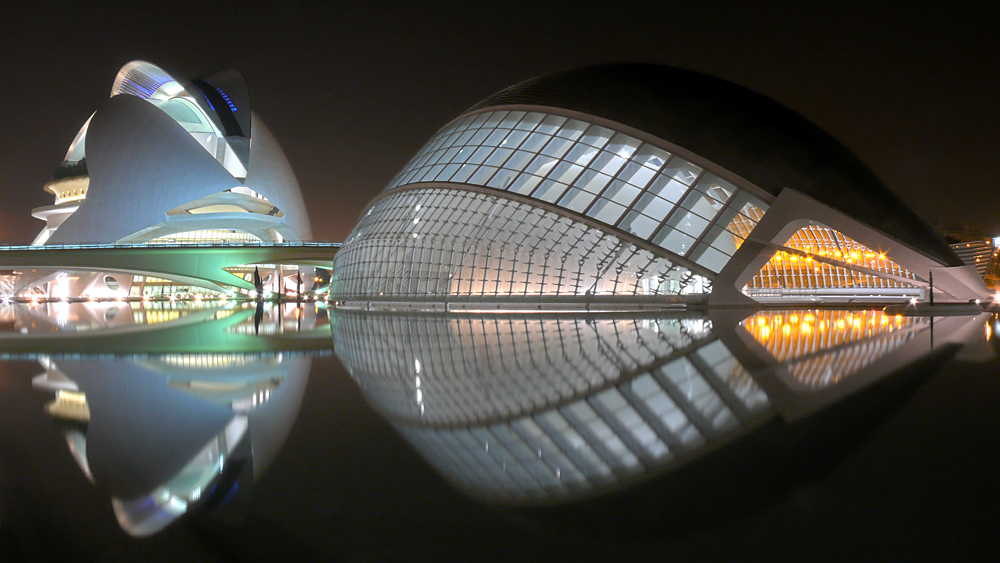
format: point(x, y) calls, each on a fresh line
point(634, 183)
point(170, 161)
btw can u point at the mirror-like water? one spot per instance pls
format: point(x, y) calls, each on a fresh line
point(230, 431)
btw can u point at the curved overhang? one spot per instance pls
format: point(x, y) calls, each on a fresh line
point(145, 80)
point(76, 148)
point(744, 132)
point(259, 225)
point(134, 146)
point(148, 164)
point(227, 202)
point(270, 174)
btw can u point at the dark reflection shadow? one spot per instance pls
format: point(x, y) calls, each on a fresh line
point(169, 435)
point(666, 419)
point(180, 414)
point(258, 316)
point(30, 331)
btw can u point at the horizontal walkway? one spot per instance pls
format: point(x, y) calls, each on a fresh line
point(199, 264)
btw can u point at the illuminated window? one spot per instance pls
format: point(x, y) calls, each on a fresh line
point(811, 271)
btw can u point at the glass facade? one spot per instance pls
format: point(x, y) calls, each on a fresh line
point(523, 408)
point(439, 242)
point(786, 271)
point(589, 208)
point(592, 170)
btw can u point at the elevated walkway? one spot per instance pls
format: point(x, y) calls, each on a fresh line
point(197, 264)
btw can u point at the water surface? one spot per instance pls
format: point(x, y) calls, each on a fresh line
point(208, 431)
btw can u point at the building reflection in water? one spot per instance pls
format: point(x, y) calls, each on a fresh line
point(70, 317)
point(530, 408)
point(822, 346)
point(167, 433)
point(174, 410)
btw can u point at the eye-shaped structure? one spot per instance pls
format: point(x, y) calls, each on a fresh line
point(640, 183)
point(172, 160)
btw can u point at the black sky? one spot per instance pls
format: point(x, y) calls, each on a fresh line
point(351, 92)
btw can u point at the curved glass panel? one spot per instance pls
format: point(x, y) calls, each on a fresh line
point(181, 112)
point(447, 242)
point(140, 79)
point(606, 175)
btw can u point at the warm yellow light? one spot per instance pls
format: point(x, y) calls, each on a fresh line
point(786, 329)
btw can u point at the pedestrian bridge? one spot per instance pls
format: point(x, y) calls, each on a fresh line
point(201, 264)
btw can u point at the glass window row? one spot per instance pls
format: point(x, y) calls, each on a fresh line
point(445, 242)
point(589, 169)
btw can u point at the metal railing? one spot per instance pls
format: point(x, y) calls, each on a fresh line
point(111, 245)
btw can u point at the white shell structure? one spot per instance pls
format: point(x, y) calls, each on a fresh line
point(171, 160)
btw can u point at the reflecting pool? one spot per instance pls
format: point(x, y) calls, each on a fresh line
point(258, 431)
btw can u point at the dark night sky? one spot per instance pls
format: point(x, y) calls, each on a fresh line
point(352, 92)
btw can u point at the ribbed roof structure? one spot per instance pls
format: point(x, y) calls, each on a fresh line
point(746, 133)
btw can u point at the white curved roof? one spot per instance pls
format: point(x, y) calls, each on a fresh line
point(141, 164)
point(270, 174)
point(156, 147)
